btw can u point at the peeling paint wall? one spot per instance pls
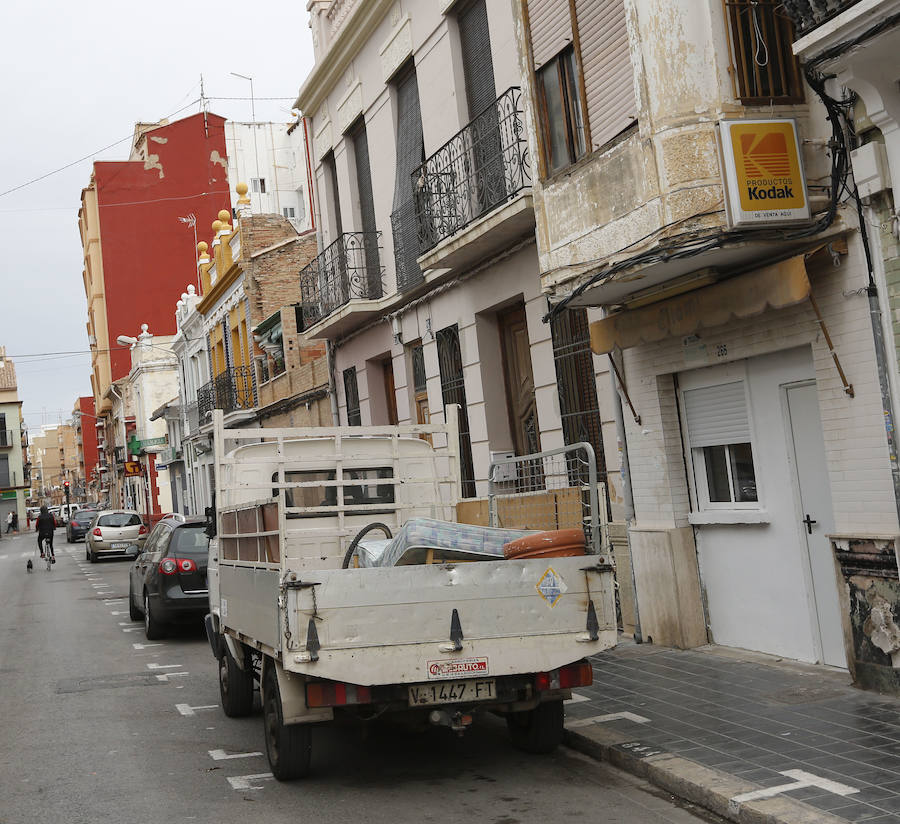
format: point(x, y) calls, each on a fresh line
point(654, 180)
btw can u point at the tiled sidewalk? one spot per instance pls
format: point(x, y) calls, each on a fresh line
point(754, 717)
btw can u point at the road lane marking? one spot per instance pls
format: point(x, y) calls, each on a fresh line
point(118, 612)
point(801, 779)
point(220, 755)
point(577, 699)
point(167, 675)
point(132, 629)
point(244, 782)
point(144, 646)
point(602, 719)
point(187, 709)
point(164, 666)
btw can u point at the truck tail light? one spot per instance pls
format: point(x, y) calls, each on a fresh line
point(579, 674)
point(336, 694)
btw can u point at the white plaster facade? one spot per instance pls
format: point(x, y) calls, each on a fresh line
point(359, 49)
point(153, 381)
point(275, 153)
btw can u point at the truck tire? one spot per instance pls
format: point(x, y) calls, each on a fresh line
point(539, 730)
point(288, 746)
point(235, 686)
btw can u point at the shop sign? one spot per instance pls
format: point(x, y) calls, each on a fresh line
point(133, 468)
point(763, 173)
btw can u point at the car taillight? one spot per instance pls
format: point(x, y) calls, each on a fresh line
point(142, 530)
point(336, 694)
point(97, 532)
point(579, 674)
point(74, 523)
point(169, 566)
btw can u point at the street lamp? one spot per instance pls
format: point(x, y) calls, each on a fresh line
point(126, 340)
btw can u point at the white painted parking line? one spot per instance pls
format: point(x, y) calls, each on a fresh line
point(163, 666)
point(602, 719)
point(144, 646)
point(577, 699)
point(132, 629)
point(118, 612)
point(3, 557)
point(245, 782)
point(801, 779)
point(167, 675)
point(220, 755)
point(109, 601)
point(187, 709)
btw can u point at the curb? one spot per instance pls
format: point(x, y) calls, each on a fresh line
point(706, 787)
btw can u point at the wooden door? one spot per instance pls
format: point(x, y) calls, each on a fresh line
point(519, 380)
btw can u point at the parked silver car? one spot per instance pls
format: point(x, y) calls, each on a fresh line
point(115, 532)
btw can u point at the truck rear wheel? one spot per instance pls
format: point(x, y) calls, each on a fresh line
point(235, 686)
point(539, 730)
point(288, 746)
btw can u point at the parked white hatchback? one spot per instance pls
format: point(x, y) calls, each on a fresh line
point(115, 532)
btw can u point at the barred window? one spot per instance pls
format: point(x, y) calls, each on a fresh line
point(765, 69)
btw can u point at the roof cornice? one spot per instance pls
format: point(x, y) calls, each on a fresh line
point(355, 31)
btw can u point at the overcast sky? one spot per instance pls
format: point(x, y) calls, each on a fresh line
point(77, 77)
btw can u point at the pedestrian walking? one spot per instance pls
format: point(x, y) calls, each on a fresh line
point(9, 523)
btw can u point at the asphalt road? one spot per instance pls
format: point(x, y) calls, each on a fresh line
point(100, 725)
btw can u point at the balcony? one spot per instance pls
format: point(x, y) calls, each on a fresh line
point(192, 415)
point(810, 14)
point(233, 390)
point(468, 195)
point(342, 280)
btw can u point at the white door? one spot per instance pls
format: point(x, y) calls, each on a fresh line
point(815, 518)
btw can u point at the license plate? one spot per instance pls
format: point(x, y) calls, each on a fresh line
point(452, 692)
point(119, 546)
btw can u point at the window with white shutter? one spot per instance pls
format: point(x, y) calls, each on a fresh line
point(717, 429)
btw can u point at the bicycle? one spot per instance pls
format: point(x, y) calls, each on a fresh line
point(47, 552)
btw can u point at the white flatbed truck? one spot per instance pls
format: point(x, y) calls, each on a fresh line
point(433, 635)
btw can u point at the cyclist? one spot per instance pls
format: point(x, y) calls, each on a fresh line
point(46, 523)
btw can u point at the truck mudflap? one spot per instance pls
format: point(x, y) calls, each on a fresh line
point(414, 624)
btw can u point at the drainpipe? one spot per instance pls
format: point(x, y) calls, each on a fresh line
point(332, 384)
point(115, 391)
point(627, 492)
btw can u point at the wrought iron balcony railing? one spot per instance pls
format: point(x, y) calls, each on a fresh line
point(348, 269)
point(808, 14)
point(232, 390)
point(478, 169)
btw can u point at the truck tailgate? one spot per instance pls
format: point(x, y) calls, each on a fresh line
point(403, 624)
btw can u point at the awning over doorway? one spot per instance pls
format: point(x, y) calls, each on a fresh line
point(772, 287)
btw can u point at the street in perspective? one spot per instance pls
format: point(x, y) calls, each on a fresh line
point(454, 411)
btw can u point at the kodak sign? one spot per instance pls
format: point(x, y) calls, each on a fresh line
point(763, 173)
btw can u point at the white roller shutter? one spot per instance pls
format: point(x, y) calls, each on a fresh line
point(608, 73)
point(717, 415)
point(550, 25)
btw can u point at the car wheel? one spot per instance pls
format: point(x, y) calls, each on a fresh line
point(539, 730)
point(68, 537)
point(87, 552)
point(153, 628)
point(288, 746)
point(235, 686)
point(133, 612)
